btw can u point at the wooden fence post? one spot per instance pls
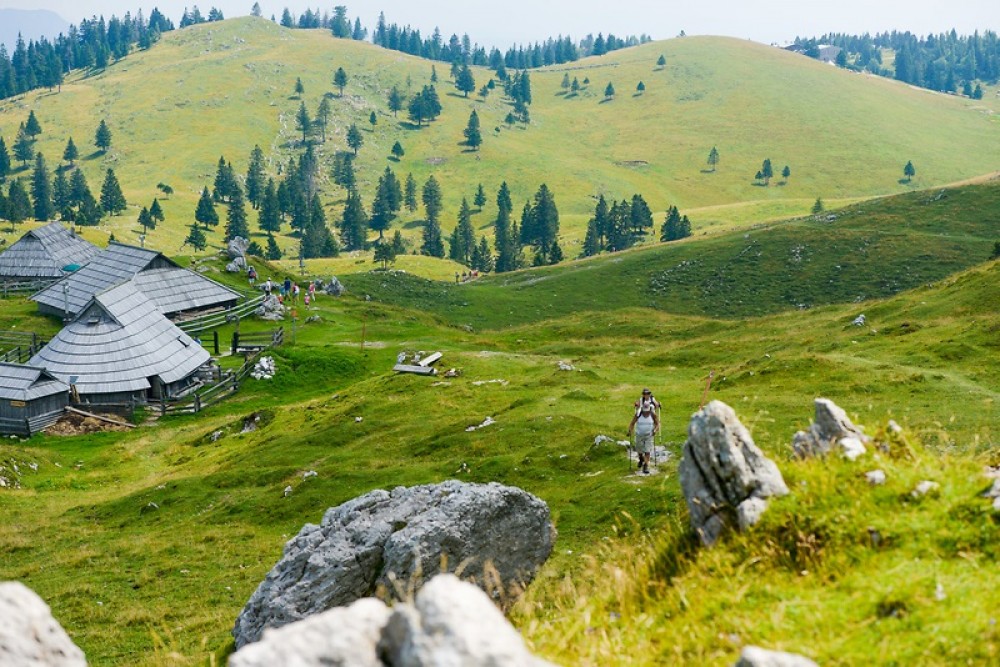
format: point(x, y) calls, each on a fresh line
point(215, 341)
point(236, 341)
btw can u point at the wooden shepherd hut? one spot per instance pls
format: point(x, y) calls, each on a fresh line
point(121, 350)
point(44, 255)
point(30, 399)
point(172, 289)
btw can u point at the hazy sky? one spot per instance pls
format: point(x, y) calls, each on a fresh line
point(503, 22)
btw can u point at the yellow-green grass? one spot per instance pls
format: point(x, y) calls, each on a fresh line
point(139, 585)
point(219, 89)
point(427, 267)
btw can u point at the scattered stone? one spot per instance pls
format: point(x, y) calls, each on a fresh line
point(830, 427)
point(216, 435)
point(486, 422)
point(390, 542)
point(449, 623)
point(271, 309)
point(479, 383)
point(994, 493)
point(598, 440)
point(358, 420)
point(939, 593)
point(754, 656)
point(566, 366)
point(724, 473)
point(29, 635)
point(313, 319)
point(453, 623)
point(334, 287)
point(264, 369)
point(894, 427)
point(237, 247)
point(860, 320)
point(875, 477)
point(923, 488)
point(288, 491)
point(309, 473)
point(238, 265)
point(452, 373)
point(343, 636)
point(250, 422)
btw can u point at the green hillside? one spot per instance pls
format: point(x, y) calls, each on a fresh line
point(218, 89)
point(865, 251)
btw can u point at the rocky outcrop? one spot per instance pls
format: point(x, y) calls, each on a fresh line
point(237, 247)
point(238, 265)
point(724, 476)
point(334, 287)
point(831, 428)
point(754, 656)
point(496, 536)
point(449, 623)
point(29, 635)
point(271, 308)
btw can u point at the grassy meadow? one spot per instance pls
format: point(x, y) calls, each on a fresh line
point(218, 89)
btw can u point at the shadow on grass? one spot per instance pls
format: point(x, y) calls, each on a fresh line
point(606, 100)
point(407, 125)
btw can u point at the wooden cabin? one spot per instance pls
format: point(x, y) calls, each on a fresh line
point(44, 255)
point(31, 399)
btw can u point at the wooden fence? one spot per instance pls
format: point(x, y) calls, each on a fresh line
point(10, 288)
point(244, 343)
point(19, 346)
point(220, 318)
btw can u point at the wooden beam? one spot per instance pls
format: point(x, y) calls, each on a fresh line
point(429, 359)
point(70, 408)
point(419, 370)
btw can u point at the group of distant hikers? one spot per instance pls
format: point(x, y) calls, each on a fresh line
point(285, 290)
point(645, 424)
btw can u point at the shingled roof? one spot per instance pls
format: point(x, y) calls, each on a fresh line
point(44, 252)
point(172, 289)
point(117, 343)
point(26, 383)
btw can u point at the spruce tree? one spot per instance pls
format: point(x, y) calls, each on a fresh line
point(354, 223)
point(609, 92)
point(354, 138)
point(786, 172)
point(4, 160)
point(205, 213)
point(661, 61)
point(102, 138)
point(713, 158)
point(255, 177)
point(432, 199)
point(410, 194)
point(909, 171)
point(373, 120)
point(273, 252)
point(196, 238)
point(303, 122)
point(41, 190)
point(79, 191)
point(398, 244)
point(384, 253)
point(299, 87)
point(817, 207)
point(60, 193)
point(71, 153)
point(340, 79)
point(33, 127)
point(156, 211)
point(112, 200)
point(236, 216)
point(323, 116)
point(432, 244)
point(146, 220)
point(465, 81)
point(473, 137)
point(480, 199)
point(504, 239)
point(767, 172)
point(18, 202)
point(591, 246)
point(395, 101)
point(397, 151)
point(24, 150)
point(269, 217)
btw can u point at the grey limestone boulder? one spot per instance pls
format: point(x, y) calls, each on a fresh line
point(831, 428)
point(450, 622)
point(238, 265)
point(754, 656)
point(724, 475)
point(237, 247)
point(29, 635)
point(334, 287)
point(391, 542)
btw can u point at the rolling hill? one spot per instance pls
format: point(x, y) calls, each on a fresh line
point(218, 89)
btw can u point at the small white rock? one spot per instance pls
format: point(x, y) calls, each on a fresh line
point(939, 592)
point(309, 473)
point(923, 488)
point(894, 427)
point(288, 491)
point(851, 447)
point(875, 477)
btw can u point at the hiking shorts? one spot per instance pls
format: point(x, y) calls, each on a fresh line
point(644, 443)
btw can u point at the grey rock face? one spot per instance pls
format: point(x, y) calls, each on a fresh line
point(341, 637)
point(723, 473)
point(237, 247)
point(453, 623)
point(270, 308)
point(238, 265)
point(334, 287)
point(449, 623)
point(390, 542)
point(29, 636)
point(831, 428)
point(754, 656)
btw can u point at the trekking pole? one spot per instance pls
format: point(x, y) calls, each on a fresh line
point(708, 385)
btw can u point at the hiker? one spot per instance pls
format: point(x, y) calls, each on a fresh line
point(268, 286)
point(252, 275)
point(647, 397)
point(645, 423)
point(287, 287)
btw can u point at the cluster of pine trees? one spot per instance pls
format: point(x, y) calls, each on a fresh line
point(338, 24)
point(550, 52)
point(617, 226)
point(946, 62)
point(194, 17)
point(93, 44)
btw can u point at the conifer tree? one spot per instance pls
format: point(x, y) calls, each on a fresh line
point(463, 238)
point(205, 213)
point(609, 91)
point(661, 61)
point(196, 238)
point(18, 202)
point(395, 101)
point(70, 154)
point(255, 177)
point(24, 150)
point(555, 253)
point(354, 223)
point(385, 253)
point(482, 259)
point(299, 88)
point(61, 194)
point(504, 240)
point(323, 116)
point(397, 151)
point(480, 199)
point(156, 211)
point(591, 245)
point(373, 120)
point(340, 79)
point(767, 172)
point(112, 200)
point(33, 128)
point(432, 244)
point(473, 137)
point(465, 81)
point(4, 160)
point(303, 122)
point(317, 241)
point(640, 88)
point(225, 181)
point(817, 207)
point(786, 172)
point(410, 193)
point(398, 244)
point(102, 138)
point(269, 217)
point(909, 171)
point(146, 220)
point(273, 252)
point(236, 216)
point(354, 138)
point(41, 190)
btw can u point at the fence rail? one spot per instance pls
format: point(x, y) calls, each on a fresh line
point(217, 319)
point(18, 287)
point(254, 342)
point(18, 347)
